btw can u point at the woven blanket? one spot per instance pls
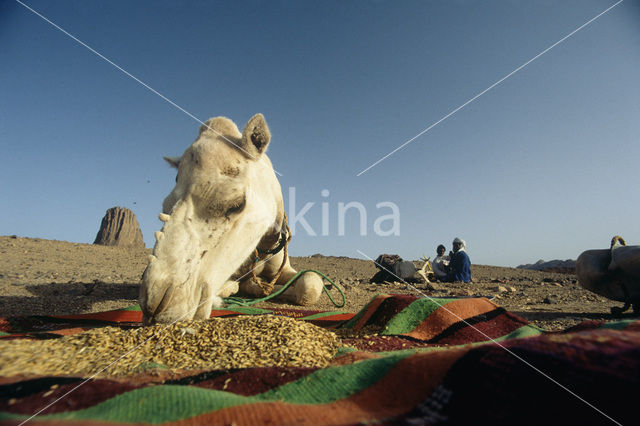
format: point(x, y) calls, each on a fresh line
point(439, 361)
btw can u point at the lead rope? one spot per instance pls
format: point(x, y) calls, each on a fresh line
point(239, 301)
point(267, 287)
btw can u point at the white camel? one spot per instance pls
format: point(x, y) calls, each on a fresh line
point(224, 228)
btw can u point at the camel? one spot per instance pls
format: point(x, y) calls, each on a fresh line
point(613, 273)
point(224, 229)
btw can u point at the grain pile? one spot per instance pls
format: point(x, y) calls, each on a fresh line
point(219, 343)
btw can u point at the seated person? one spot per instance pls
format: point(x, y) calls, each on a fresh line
point(440, 264)
point(460, 264)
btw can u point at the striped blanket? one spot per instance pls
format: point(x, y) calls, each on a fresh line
point(438, 361)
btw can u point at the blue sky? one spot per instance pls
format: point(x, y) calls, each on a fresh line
point(544, 165)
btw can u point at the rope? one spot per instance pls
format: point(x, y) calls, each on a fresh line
point(239, 301)
point(267, 287)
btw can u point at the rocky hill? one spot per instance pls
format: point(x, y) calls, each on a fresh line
point(563, 266)
point(120, 228)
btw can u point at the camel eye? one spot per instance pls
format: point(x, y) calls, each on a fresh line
point(236, 207)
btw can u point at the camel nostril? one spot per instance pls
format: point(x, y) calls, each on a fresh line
point(151, 307)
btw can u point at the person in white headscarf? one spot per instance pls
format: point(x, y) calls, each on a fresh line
point(460, 264)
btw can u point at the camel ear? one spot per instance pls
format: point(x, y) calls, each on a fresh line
point(256, 136)
point(173, 161)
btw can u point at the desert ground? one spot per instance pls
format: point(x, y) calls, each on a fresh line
point(43, 277)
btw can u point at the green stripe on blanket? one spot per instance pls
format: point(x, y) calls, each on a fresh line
point(413, 315)
point(157, 404)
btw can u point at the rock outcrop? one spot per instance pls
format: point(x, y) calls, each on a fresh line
point(562, 266)
point(120, 228)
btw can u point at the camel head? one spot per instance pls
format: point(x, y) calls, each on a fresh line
point(225, 199)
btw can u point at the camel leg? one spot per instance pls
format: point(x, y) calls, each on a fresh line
point(250, 288)
point(265, 270)
point(625, 290)
point(207, 301)
point(305, 291)
point(229, 288)
point(210, 301)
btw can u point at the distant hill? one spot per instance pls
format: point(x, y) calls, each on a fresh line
point(563, 266)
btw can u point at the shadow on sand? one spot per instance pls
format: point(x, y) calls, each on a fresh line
point(67, 298)
point(582, 316)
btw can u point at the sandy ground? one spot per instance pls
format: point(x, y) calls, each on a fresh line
point(40, 277)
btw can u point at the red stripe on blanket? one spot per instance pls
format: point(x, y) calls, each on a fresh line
point(477, 331)
point(371, 309)
point(111, 316)
point(84, 396)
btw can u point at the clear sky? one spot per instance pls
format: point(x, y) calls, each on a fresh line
point(544, 165)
